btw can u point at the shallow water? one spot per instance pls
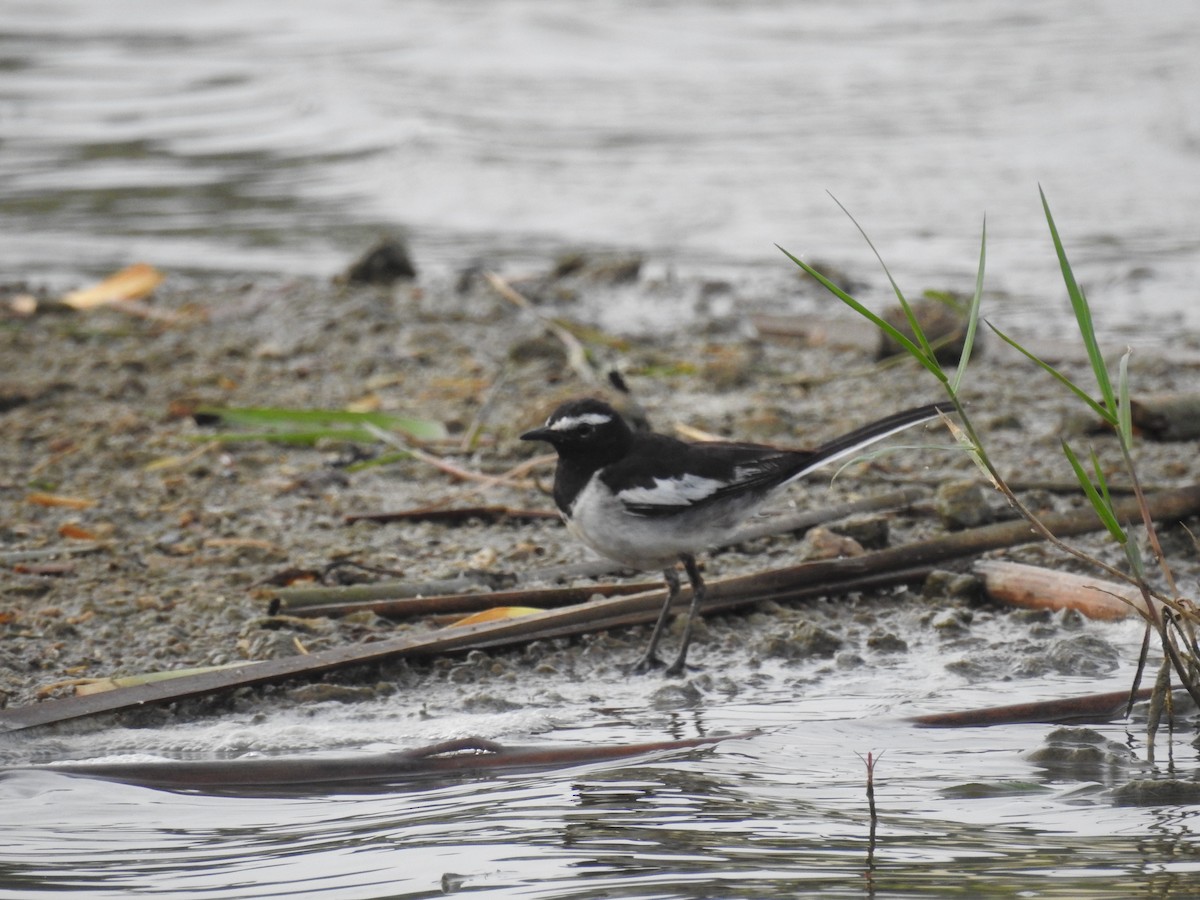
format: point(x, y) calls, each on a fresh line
point(247, 137)
point(768, 816)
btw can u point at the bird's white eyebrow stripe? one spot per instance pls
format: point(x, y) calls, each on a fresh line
point(569, 422)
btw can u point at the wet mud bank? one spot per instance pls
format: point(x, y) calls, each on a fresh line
point(138, 537)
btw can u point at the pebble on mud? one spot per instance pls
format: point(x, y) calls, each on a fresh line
point(803, 641)
point(962, 504)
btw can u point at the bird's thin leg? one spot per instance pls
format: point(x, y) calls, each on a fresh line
point(693, 573)
point(649, 660)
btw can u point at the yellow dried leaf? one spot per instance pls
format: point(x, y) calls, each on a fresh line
point(131, 283)
point(495, 614)
point(37, 498)
point(23, 305)
point(76, 532)
point(365, 403)
point(85, 686)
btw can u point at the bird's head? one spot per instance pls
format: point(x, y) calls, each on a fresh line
point(586, 428)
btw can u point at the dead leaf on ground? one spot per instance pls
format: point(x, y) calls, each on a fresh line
point(131, 283)
point(38, 498)
point(496, 614)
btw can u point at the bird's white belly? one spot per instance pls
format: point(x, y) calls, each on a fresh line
point(599, 520)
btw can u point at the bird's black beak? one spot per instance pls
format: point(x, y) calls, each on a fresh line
point(539, 434)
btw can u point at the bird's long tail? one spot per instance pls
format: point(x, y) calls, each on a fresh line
point(853, 442)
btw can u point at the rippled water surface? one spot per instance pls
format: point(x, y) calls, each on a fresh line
point(257, 137)
point(771, 815)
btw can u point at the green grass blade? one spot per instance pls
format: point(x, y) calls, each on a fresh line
point(384, 460)
point(902, 339)
point(1133, 553)
point(972, 316)
point(1093, 495)
point(1124, 407)
point(1108, 415)
point(1101, 481)
point(301, 437)
point(918, 331)
point(1083, 313)
point(282, 419)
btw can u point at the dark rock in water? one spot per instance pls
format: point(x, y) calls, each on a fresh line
point(804, 641)
point(331, 693)
point(887, 642)
point(385, 263)
point(1083, 754)
point(598, 269)
point(1157, 792)
point(1077, 655)
point(941, 584)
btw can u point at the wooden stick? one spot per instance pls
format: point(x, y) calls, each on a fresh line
point(1035, 587)
point(465, 755)
point(1088, 708)
point(576, 353)
point(340, 600)
point(413, 607)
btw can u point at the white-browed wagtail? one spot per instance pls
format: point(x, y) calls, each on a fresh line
point(648, 500)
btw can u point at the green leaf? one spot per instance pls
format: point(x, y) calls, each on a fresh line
point(1124, 407)
point(318, 422)
point(1098, 504)
point(915, 325)
point(385, 459)
point(1101, 481)
point(1083, 313)
point(303, 438)
point(902, 339)
point(1133, 554)
point(972, 316)
point(1107, 414)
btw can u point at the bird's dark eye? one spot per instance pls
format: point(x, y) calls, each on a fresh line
point(586, 429)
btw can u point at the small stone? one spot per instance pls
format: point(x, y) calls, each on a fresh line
point(331, 693)
point(1157, 792)
point(385, 263)
point(951, 622)
point(870, 530)
point(677, 696)
point(887, 642)
point(803, 641)
point(941, 584)
point(962, 504)
point(821, 543)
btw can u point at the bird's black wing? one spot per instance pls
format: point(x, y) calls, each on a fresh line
point(665, 476)
point(669, 477)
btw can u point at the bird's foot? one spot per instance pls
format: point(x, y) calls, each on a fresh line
point(679, 667)
point(647, 663)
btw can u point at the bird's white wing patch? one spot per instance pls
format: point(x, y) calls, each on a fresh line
point(671, 492)
point(750, 471)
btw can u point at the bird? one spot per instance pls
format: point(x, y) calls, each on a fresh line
point(650, 501)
